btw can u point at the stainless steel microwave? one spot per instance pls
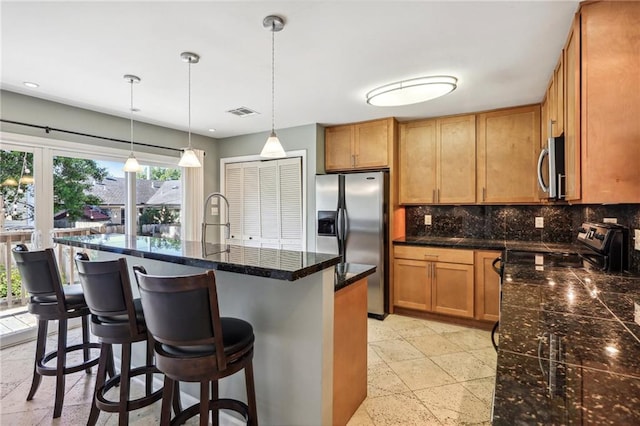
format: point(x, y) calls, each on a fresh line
point(551, 169)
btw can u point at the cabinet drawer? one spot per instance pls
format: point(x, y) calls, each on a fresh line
point(434, 254)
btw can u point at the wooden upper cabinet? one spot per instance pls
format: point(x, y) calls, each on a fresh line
point(338, 147)
point(610, 102)
point(508, 144)
point(437, 161)
point(558, 98)
point(359, 146)
point(417, 155)
point(571, 113)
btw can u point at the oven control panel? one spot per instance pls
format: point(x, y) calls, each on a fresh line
point(594, 235)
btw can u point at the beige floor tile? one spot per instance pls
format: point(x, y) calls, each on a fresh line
point(382, 380)
point(377, 332)
point(462, 367)
point(487, 355)
point(15, 371)
point(421, 373)
point(434, 344)
point(454, 404)
point(372, 357)
point(399, 410)
point(361, 417)
point(415, 331)
point(443, 327)
point(470, 339)
point(482, 388)
point(25, 418)
point(399, 322)
point(396, 350)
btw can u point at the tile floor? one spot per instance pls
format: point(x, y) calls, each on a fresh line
point(420, 373)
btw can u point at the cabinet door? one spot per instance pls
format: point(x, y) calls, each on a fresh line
point(508, 143)
point(610, 102)
point(417, 162)
point(558, 92)
point(571, 113)
point(338, 147)
point(487, 304)
point(371, 144)
point(452, 289)
point(412, 284)
point(456, 160)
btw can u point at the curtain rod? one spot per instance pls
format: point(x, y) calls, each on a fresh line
point(48, 129)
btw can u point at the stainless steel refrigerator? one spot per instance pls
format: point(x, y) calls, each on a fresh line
point(351, 221)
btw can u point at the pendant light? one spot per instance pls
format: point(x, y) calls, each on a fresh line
point(272, 148)
point(132, 164)
point(189, 157)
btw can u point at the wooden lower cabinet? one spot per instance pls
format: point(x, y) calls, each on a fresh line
point(349, 350)
point(452, 289)
point(434, 286)
point(487, 286)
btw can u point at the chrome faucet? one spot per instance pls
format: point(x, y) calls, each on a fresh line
point(204, 216)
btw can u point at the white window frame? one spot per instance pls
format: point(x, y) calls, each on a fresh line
point(45, 149)
point(249, 158)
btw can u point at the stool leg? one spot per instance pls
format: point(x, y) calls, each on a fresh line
point(251, 395)
point(125, 368)
point(149, 361)
point(40, 349)
point(105, 353)
point(167, 391)
point(85, 341)
point(214, 396)
point(111, 369)
point(60, 366)
point(177, 404)
point(204, 404)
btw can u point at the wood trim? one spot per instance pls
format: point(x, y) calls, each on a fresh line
point(349, 351)
point(467, 322)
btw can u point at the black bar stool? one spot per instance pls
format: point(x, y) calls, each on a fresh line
point(194, 344)
point(50, 300)
point(117, 318)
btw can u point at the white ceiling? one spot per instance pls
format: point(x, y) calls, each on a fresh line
point(327, 57)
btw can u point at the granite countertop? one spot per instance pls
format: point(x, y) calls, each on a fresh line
point(485, 244)
point(569, 349)
point(264, 262)
point(349, 273)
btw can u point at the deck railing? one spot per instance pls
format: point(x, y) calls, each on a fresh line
point(64, 256)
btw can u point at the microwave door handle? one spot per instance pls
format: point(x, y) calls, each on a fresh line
point(541, 183)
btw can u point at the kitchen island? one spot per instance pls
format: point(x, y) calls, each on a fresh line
point(289, 298)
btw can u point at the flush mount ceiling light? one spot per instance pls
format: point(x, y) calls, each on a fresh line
point(132, 164)
point(273, 148)
point(189, 158)
point(31, 84)
point(412, 91)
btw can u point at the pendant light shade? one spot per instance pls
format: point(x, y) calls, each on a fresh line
point(132, 165)
point(189, 157)
point(273, 148)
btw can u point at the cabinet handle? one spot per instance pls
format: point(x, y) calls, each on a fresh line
point(433, 196)
point(438, 195)
point(484, 193)
point(353, 160)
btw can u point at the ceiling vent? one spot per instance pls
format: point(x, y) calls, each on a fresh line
point(243, 112)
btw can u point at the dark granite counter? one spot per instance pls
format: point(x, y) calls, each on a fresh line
point(569, 350)
point(264, 262)
point(349, 273)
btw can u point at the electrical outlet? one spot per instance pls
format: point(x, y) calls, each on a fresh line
point(427, 219)
point(610, 220)
point(636, 238)
point(636, 312)
point(539, 222)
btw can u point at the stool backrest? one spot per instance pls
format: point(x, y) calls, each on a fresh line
point(107, 288)
point(182, 311)
point(39, 273)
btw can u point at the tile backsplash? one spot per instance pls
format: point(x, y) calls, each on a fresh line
point(561, 222)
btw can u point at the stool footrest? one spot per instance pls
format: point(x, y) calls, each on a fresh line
point(214, 404)
point(43, 370)
point(114, 406)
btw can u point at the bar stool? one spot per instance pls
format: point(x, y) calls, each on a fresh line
point(117, 318)
point(194, 344)
point(49, 300)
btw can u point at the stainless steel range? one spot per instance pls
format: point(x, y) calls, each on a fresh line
point(607, 244)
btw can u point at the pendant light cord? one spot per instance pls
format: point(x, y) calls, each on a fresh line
point(189, 108)
point(131, 113)
point(273, 72)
